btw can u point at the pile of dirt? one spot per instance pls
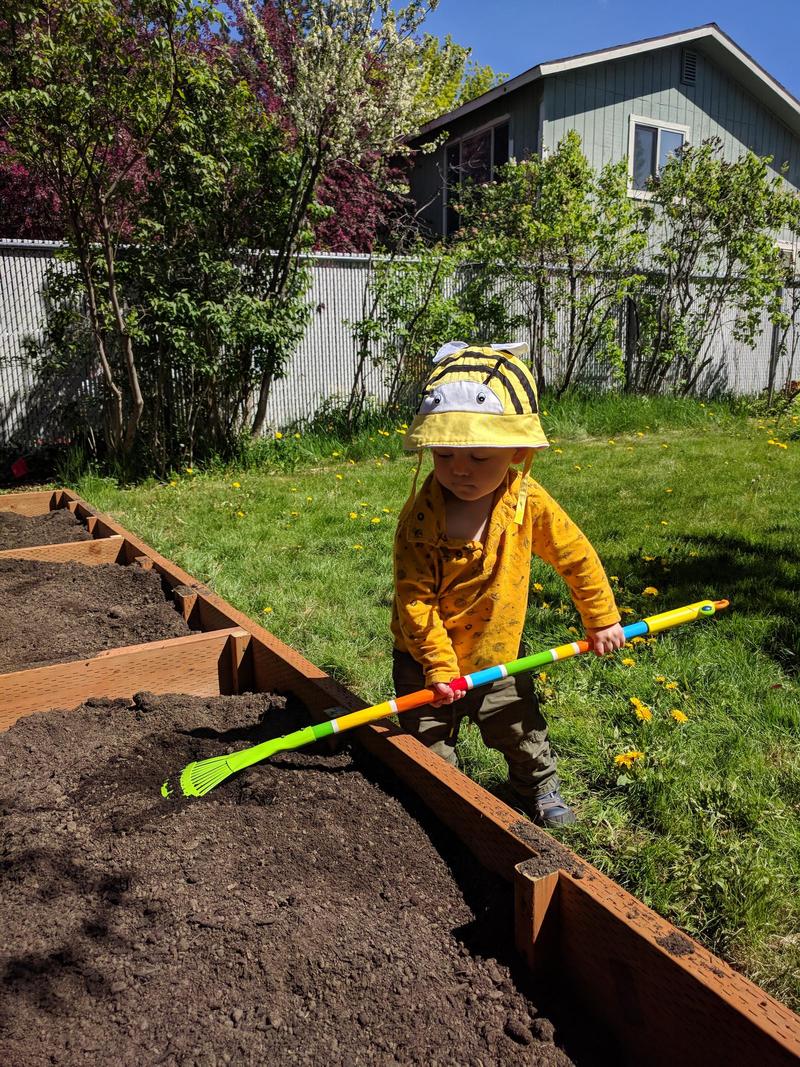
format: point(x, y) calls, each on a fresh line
point(306, 912)
point(52, 528)
point(60, 611)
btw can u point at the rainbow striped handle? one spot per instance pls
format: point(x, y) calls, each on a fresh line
point(651, 625)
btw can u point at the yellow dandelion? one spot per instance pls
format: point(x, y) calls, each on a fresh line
point(403, 425)
point(678, 715)
point(297, 435)
point(639, 433)
point(558, 451)
point(538, 587)
point(660, 678)
point(649, 590)
point(545, 412)
point(664, 522)
point(628, 662)
point(375, 520)
point(339, 477)
point(665, 446)
point(694, 552)
point(637, 703)
point(572, 630)
point(648, 559)
point(637, 640)
point(353, 514)
point(386, 511)
point(611, 441)
point(613, 577)
point(173, 483)
point(334, 454)
point(577, 466)
point(545, 604)
point(671, 685)
point(627, 611)
point(358, 547)
point(294, 489)
point(542, 676)
point(278, 436)
point(240, 514)
point(235, 485)
point(294, 514)
point(667, 490)
point(267, 611)
point(189, 470)
point(643, 713)
point(378, 463)
point(627, 759)
point(309, 499)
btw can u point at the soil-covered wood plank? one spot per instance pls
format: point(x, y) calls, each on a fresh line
point(305, 912)
point(60, 611)
point(51, 528)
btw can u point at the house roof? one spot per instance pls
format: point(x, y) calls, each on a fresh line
point(715, 43)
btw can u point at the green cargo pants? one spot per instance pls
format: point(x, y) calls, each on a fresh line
point(506, 713)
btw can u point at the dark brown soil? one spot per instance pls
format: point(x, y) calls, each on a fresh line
point(305, 912)
point(52, 528)
point(59, 611)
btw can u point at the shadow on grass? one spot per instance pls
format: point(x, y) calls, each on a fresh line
point(754, 579)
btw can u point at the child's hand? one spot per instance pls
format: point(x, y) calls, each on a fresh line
point(444, 694)
point(606, 639)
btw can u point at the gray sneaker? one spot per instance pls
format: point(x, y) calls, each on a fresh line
point(547, 809)
point(550, 809)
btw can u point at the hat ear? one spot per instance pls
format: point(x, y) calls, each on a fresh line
point(514, 348)
point(449, 349)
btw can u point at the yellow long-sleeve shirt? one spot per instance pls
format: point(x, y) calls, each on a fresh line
point(459, 605)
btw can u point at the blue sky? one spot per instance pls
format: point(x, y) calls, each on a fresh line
point(513, 35)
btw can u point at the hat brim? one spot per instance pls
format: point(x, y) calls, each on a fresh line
point(457, 429)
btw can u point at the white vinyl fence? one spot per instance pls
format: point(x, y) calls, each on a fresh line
point(323, 367)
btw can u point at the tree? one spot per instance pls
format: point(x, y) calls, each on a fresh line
point(347, 75)
point(86, 86)
point(714, 258)
point(563, 243)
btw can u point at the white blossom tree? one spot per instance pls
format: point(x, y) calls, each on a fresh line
point(348, 76)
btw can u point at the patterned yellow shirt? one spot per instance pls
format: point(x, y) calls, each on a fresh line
point(459, 605)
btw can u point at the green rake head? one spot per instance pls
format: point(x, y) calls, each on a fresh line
point(200, 777)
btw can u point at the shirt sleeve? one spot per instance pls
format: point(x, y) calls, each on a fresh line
point(560, 542)
point(416, 584)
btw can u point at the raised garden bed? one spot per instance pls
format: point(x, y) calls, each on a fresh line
point(60, 611)
point(623, 970)
point(54, 527)
point(257, 926)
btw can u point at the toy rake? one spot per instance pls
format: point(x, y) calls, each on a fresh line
point(201, 777)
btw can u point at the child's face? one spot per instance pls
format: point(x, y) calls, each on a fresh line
point(473, 473)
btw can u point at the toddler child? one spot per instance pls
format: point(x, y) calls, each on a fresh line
point(462, 560)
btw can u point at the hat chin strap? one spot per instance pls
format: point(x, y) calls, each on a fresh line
point(519, 514)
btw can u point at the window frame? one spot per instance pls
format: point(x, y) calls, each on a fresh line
point(659, 125)
point(476, 131)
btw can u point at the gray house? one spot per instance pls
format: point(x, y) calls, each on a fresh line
point(638, 101)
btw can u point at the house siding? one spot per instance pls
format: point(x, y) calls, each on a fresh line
point(598, 101)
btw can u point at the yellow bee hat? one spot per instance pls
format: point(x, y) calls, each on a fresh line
point(479, 397)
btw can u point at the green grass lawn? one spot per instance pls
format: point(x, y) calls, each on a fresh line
point(691, 501)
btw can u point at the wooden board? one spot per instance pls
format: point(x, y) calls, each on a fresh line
point(90, 553)
point(31, 503)
point(201, 665)
point(662, 996)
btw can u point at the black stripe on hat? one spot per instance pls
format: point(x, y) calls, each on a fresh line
point(502, 364)
point(481, 367)
point(507, 363)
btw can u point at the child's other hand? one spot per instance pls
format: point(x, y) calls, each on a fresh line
point(606, 639)
point(444, 694)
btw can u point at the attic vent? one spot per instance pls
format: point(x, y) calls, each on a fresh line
point(688, 67)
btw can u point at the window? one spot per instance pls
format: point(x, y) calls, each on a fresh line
point(474, 158)
point(651, 145)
